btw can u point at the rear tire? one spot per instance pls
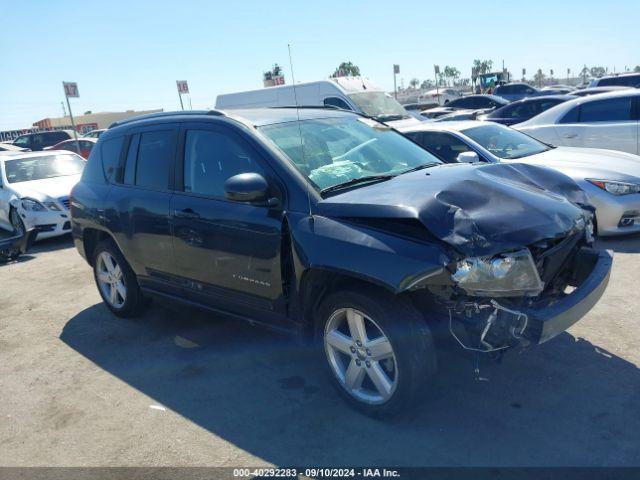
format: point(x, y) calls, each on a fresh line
point(378, 350)
point(116, 282)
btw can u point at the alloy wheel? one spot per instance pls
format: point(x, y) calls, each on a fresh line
point(361, 356)
point(111, 280)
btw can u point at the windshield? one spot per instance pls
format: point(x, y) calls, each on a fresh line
point(505, 142)
point(379, 105)
point(38, 168)
point(334, 151)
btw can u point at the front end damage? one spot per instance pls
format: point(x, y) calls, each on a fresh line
point(517, 240)
point(570, 276)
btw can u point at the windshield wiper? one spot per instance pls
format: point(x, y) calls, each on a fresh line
point(420, 167)
point(357, 181)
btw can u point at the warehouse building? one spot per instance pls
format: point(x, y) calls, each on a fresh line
point(89, 121)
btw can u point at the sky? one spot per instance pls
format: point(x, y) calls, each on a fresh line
point(128, 54)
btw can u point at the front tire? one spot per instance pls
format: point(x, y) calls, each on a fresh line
point(116, 281)
point(378, 349)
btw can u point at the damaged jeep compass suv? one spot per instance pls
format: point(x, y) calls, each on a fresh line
point(339, 229)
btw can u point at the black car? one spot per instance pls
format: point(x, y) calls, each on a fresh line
point(620, 80)
point(477, 102)
point(522, 110)
point(39, 140)
point(341, 231)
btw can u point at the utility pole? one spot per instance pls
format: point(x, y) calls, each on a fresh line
point(396, 70)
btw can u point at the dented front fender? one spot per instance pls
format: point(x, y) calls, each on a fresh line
point(394, 262)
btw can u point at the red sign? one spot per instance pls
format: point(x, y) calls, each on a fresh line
point(183, 87)
point(71, 89)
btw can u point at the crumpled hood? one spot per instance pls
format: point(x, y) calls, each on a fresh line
point(477, 209)
point(48, 188)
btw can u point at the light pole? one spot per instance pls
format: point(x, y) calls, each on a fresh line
point(396, 70)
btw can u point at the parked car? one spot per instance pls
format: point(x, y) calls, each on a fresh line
point(620, 80)
point(94, 133)
point(515, 91)
point(584, 92)
point(482, 103)
point(521, 110)
point(610, 179)
point(10, 147)
point(40, 140)
point(557, 90)
point(86, 145)
point(357, 94)
point(34, 191)
point(458, 115)
point(362, 240)
point(608, 120)
point(441, 96)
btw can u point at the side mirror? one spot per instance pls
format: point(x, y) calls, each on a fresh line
point(247, 187)
point(468, 157)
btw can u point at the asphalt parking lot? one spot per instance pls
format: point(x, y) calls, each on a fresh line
point(80, 387)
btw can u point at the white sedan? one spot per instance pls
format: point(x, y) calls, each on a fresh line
point(441, 96)
point(610, 179)
point(606, 120)
point(35, 189)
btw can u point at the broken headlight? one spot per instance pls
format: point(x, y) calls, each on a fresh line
point(504, 275)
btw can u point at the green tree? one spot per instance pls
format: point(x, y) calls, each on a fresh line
point(427, 85)
point(347, 69)
point(637, 69)
point(414, 82)
point(451, 73)
point(482, 66)
point(597, 72)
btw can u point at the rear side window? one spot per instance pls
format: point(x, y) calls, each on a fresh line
point(210, 158)
point(623, 81)
point(111, 157)
point(610, 110)
point(155, 152)
point(571, 116)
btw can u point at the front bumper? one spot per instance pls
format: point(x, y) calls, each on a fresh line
point(615, 214)
point(48, 223)
point(549, 319)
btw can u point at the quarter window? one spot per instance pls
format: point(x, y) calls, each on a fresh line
point(154, 159)
point(210, 158)
point(571, 116)
point(110, 151)
point(610, 110)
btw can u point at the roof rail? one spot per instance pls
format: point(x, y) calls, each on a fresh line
point(166, 114)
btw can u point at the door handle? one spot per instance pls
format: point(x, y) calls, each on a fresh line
point(570, 135)
point(187, 213)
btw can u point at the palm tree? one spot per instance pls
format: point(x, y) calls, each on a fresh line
point(414, 83)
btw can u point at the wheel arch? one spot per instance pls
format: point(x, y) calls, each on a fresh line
point(91, 237)
point(317, 283)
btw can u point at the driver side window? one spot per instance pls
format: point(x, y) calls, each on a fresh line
point(444, 145)
point(336, 102)
point(211, 158)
